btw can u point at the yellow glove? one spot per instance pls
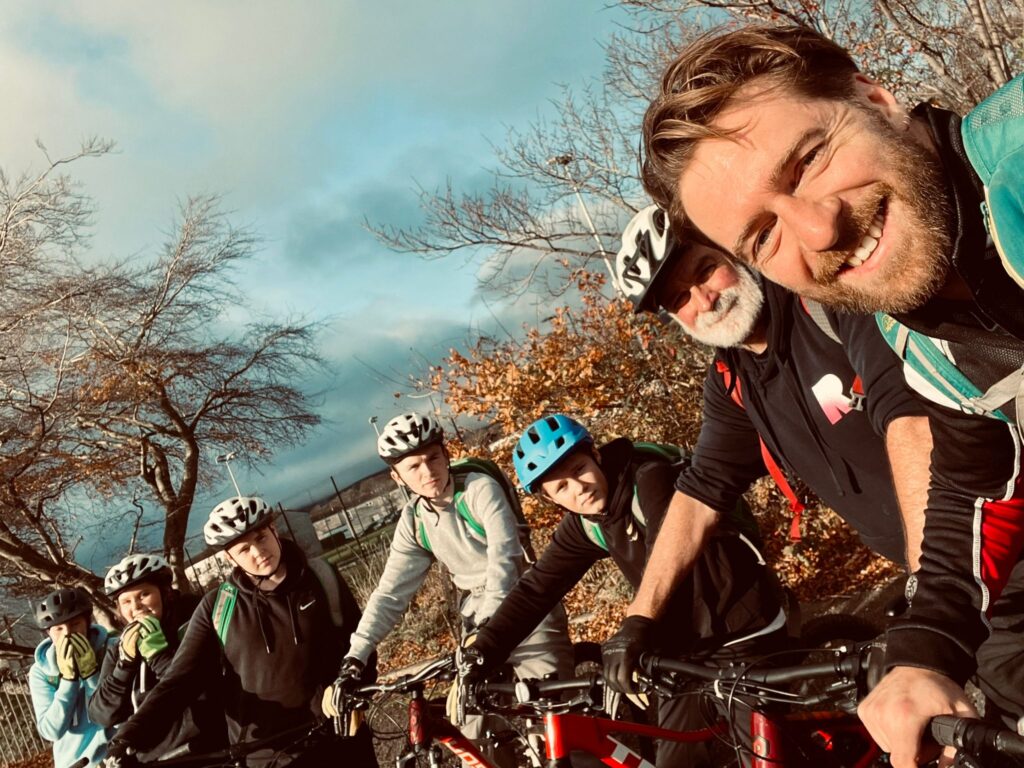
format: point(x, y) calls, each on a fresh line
point(75, 657)
point(327, 702)
point(451, 704)
point(128, 645)
point(463, 662)
point(84, 656)
point(66, 658)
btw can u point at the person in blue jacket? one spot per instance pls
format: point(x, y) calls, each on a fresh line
point(63, 677)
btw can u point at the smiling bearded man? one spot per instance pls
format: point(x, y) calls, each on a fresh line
point(773, 144)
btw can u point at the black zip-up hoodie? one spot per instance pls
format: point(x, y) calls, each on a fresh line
point(124, 686)
point(727, 595)
point(975, 512)
point(798, 397)
point(281, 649)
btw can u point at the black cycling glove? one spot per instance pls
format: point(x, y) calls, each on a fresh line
point(118, 755)
point(621, 652)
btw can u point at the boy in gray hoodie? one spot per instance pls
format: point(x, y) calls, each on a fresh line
point(468, 525)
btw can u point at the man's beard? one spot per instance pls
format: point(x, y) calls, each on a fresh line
point(731, 321)
point(912, 273)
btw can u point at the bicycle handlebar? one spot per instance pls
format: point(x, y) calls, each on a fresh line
point(439, 668)
point(975, 736)
point(847, 663)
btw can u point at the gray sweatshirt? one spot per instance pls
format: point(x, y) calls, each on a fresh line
point(486, 568)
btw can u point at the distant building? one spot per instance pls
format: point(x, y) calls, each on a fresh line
point(369, 504)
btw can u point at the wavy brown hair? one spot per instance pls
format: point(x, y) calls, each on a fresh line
point(708, 74)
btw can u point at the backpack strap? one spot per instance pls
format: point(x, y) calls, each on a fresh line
point(594, 532)
point(328, 578)
point(421, 528)
point(796, 507)
point(925, 356)
point(459, 499)
point(223, 608)
point(817, 313)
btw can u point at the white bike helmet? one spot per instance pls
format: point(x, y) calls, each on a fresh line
point(135, 568)
point(407, 433)
point(647, 244)
point(234, 518)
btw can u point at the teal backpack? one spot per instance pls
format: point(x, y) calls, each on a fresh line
point(460, 469)
point(993, 136)
point(650, 452)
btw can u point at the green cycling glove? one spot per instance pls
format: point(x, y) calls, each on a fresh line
point(152, 640)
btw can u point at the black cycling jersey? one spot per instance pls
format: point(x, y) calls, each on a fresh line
point(801, 397)
point(281, 649)
point(124, 686)
point(729, 594)
point(975, 511)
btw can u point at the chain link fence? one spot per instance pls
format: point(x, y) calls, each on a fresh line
point(19, 739)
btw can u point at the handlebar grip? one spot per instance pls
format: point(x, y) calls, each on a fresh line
point(974, 736)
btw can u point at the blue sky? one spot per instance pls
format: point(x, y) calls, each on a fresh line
point(307, 117)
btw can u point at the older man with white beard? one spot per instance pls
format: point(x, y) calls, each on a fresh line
point(821, 397)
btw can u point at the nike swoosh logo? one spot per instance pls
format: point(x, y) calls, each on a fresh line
point(304, 607)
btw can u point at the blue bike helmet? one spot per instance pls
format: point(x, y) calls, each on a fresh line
point(544, 443)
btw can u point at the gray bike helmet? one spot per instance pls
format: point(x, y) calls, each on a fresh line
point(407, 434)
point(135, 568)
point(647, 244)
point(232, 519)
point(61, 606)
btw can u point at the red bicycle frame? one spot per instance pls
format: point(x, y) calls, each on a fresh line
point(564, 733)
point(838, 739)
point(826, 732)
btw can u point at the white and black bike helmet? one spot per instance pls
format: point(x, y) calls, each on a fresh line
point(135, 568)
point(647, 244)
point(234, 518)
point(406, 434)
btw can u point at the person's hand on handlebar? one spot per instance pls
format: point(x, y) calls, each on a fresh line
point(897, 713)
point(118, 755)
point(621, 653)
point(471, 664)
point(350, 676)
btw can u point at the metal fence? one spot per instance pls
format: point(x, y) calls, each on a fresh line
point(19, 738)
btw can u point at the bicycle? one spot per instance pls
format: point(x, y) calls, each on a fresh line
point(425, 729)
point(569, 725)
point(782, 737)
point(235, 755)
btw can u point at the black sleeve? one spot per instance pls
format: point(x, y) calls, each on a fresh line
point(655, 486)
point(195, 666)
point(567, 558)
point(881, 373)
point(111, 702)
point(974, 531)
point(728, 454)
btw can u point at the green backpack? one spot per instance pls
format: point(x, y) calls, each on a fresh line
point(740, 518)
point(227, 596)
point(460, 469)
point(993, 136)
point(647, 452)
